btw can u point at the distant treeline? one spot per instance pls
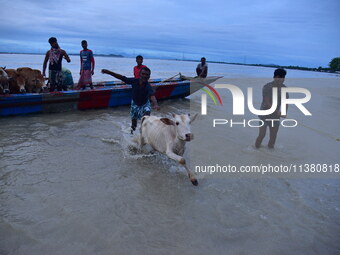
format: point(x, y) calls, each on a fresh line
point(334, 66)
point(319, 69)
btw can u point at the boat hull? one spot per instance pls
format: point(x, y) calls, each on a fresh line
point(107, 94)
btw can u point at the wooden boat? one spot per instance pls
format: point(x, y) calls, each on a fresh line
point(105, 94)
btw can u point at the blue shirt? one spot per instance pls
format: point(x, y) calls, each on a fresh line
point(86, 56)
point(140, 94)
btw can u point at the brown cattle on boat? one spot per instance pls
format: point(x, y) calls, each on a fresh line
point(4, 85)
point(168, 136)
point(40, 81)
point(34, 81)
point(16, 82)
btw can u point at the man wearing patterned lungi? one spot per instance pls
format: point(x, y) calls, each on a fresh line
point(86, 67)
point(141, 93)
point(55, 56)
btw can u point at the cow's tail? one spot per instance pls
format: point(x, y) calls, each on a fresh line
point(141, 139)
point(143, 118)
point(141, 124)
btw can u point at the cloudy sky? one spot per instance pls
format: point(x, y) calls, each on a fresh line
point(284, 32)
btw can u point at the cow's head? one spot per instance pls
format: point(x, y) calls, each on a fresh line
point(182, 125)
point(21, 84)
point(38, 81)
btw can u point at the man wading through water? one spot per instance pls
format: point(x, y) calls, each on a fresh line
point(267, 92)
point(141, 93)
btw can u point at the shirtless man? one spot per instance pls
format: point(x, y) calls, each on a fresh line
point(55, 56)
point(202, 68)
point(279, 77)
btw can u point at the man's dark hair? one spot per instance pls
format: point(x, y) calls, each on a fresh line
point(280, 73)
point(52, 40)
point(203, 58)
point(83, 41)
point(146, 69)
point(139, 56)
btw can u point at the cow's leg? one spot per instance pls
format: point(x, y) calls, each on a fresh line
point(175, 157)
point(191, 176)
point(181, 160)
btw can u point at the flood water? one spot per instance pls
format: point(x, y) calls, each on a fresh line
point(74, 183)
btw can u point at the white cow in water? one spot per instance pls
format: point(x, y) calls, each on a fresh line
point(168, 136)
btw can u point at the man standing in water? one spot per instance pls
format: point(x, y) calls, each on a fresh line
point(138, 67)
point(141, 92)
point(202, 69)
point(267, 92)
point(55, 56)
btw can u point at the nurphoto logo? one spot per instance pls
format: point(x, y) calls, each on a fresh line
point(239, 105)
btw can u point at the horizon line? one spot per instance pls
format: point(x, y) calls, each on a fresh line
point(192, 60)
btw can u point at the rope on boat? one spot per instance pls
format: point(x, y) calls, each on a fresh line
point(169, 79)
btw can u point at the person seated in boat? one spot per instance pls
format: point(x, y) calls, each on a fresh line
point(202, 68)
point(141, 93)
point(139, 66)
point(67, 78)
point(55, 56)
point(86, 67)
